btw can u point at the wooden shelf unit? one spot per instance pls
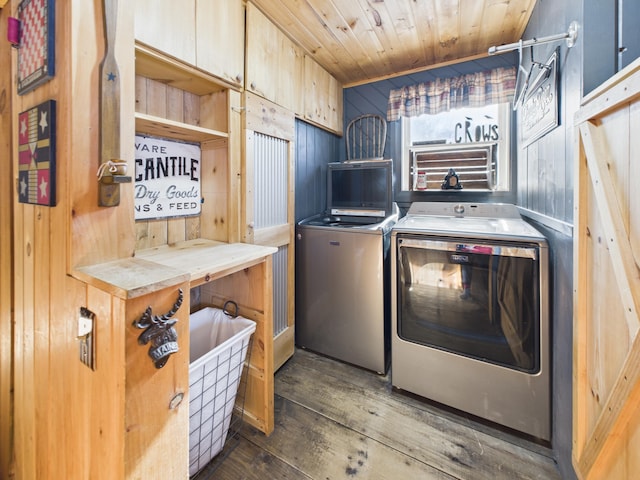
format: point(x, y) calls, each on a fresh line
point(239, 272)
point(161, 127)
point(155, 65)
point(196, 255)
point(177, 101)
point(243, 273)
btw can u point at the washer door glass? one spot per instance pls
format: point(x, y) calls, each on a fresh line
point(473, 299)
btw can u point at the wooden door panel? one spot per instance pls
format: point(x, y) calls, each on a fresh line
point(167, 26)
point(268, 213)
point(606, 417)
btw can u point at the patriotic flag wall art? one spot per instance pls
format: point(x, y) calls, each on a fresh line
point(36, 52)
point(37, 155)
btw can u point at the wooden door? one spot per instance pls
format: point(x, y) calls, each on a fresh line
point(274, 64)
point(323, 97)
point(220, 39)
point(168, 26)
point(268, 209)
point(606, 371)
point(156, 409)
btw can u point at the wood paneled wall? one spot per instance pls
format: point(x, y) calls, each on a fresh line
point(64, 418)
point(7, 189)
point(95, 234)
point(314, 149)
point(545, 174)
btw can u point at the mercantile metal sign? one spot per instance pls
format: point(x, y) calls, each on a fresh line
point(167, 178)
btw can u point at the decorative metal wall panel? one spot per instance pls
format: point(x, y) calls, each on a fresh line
point(271, 170)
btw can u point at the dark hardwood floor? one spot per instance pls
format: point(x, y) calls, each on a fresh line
point(335, 421)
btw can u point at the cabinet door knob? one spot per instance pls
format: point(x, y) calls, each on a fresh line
point(253, 85)
point(239, 78)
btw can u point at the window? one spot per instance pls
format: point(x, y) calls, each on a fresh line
point(474, 142)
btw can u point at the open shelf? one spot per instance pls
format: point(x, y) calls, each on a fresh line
point(162, 127)
point(173, 72)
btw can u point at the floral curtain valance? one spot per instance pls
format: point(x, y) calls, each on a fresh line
point(443, 94)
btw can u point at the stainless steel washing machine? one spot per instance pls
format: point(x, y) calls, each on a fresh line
point(470, 312)
point(342, 288)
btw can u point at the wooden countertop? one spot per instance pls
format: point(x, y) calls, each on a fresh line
point(207, 260)
point(198, 261)
point(129, 277)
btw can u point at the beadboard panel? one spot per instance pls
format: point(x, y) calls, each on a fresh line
point(545, 181)
point(314, 149)
point(545, 186)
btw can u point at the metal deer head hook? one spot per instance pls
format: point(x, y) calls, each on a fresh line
point(159, 331)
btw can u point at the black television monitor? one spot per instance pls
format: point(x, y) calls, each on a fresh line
point(360, 188)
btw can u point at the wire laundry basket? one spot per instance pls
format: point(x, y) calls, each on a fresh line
point(218, 382)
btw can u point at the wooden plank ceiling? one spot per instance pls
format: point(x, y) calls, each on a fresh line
point(363, 40)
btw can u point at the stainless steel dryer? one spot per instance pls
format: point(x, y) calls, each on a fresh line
point(470, 312)
point(342, 288)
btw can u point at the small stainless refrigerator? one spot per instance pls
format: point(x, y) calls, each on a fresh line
point(342, 289)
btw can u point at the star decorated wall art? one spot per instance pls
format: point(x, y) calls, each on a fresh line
point(37, 155)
